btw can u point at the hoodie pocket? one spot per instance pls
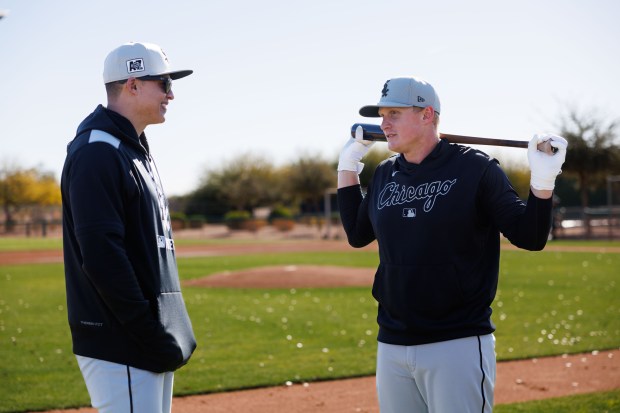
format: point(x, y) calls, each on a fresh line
point(176, 324)
point(414, 293)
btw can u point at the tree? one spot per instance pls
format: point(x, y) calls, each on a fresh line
point(307, 178)
point(593, 151)
point(244, 183)
point(21, 187)
point(205, 201)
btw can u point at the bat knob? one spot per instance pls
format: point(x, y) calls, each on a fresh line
point(359, 133)
point(547, 148)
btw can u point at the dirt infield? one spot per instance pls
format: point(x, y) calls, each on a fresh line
point(516, 380)
point(289, 276)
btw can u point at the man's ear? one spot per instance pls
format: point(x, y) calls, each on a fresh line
point(131, 85)
point(428, 113)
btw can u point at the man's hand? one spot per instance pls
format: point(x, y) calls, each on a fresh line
point(546, 167)
point(353, 152)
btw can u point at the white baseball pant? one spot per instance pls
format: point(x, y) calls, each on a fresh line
point(444, 377)
point(118, 388)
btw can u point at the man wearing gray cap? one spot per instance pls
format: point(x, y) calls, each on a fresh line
point(437, 210)
point(128, 321)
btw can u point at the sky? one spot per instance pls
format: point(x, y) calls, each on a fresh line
point(281, 79)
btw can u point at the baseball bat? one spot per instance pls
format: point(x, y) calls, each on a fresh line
point(373, 132)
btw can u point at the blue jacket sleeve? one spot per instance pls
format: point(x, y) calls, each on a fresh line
point(353, 209)
point(525, 225)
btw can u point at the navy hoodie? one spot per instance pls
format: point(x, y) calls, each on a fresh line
point(438, 227)
point(123, 294)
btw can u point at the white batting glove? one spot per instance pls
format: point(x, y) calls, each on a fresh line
point(545, 167)
point(353, 152)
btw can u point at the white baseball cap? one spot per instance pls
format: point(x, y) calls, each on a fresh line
point(138, 60)
point(402, 92)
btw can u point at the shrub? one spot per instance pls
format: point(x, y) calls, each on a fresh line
point(196, 221)
point(282, 219)
point(280, 212)
point(178, 220)
point(236, 219)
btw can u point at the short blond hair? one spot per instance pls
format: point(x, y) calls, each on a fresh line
point(435, 119)
point(113, 89)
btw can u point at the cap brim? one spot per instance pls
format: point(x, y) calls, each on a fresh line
point(179, 74)
point(372, 111)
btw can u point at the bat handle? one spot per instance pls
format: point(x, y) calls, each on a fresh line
point(547, 148)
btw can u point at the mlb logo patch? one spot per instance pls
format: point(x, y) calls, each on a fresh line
point(161, 241)
point(409, 213)
point(135, 65)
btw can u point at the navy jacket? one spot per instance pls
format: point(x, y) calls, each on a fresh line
point(123, 295)
point(438, 227)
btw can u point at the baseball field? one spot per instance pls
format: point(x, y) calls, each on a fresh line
point(286, 317)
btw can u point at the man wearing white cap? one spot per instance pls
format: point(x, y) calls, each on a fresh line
point(128, 321)
point(437, 210)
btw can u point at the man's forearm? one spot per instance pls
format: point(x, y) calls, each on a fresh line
point(347, 178)
point(542, 193)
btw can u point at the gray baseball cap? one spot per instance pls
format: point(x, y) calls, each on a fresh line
point(138, 60)
point(403, 92)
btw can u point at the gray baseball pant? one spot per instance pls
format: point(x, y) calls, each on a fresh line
point(444, 377)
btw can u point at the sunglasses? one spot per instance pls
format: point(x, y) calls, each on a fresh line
point(166, 82)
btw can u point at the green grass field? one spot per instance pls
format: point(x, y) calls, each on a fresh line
point(547, 303)
point(605, 402)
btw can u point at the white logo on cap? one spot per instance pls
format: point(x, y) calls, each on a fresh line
point(165, 56)
point(135, 65)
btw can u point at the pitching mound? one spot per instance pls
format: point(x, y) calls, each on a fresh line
point(289, 276)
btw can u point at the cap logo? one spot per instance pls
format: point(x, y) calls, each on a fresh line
point(385, 89)
point(135, 65)
point(421, 99)
point(165, 56)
